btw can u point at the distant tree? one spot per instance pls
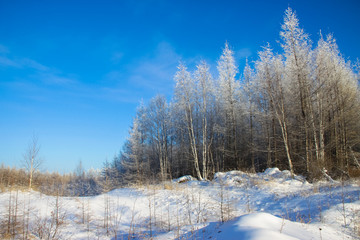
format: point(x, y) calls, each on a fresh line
point(32, 161)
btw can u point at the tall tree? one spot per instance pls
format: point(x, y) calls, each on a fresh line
point(297, 48)
point(248, 89)
point(228, 100)
point(205, 93)
point(158, 125)
point(185, 95)
point(270, 70)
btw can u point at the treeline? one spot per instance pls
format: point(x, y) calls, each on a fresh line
point(296, 110)
point(78, 183)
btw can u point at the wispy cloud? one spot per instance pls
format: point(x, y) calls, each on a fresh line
point(7, 62)
point(26, 62)
point(3, 49)
point(156, 71)
point(243, 53)
point(116, 57)
point(118, 94)
point(51, 78)
point(33, 69)
point(143, 77)
point(114, 76)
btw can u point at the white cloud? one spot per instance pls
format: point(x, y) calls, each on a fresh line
point(51, 78)
point(3, 49)
point(7, 62)
point(113, 76)
point(119, 94)
point(243, 53)
point(156, 72)
point(116, 57)
point(26, 62)
point(36, 70)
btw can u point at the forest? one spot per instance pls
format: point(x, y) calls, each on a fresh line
point(296, 110)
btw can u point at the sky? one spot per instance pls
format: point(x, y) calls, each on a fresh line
point(73, 73)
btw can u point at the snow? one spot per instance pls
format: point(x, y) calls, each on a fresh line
point(268, 205)
point(184, 179)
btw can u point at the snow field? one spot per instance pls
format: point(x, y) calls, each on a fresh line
point(235, 205)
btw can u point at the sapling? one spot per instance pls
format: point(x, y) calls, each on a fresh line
point(200, 208)
point(88, 216)
point(15, 214)
point(320, 212)
point(116, 216)
point(106, 212)
point(309, 208)
point(221, 195)
point(177, 220)
point(343, 202)
point(154, 205)
point(150, 214)
point(51, 227)
point(282, 224)
point(248, 207)
point(189, 209)
point(131, 232)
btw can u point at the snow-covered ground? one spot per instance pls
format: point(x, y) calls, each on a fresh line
point(235, 205)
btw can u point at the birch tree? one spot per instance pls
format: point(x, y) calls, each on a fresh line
point(184, 94)
point(270, 71)
point(32, 161)
point(205, 93)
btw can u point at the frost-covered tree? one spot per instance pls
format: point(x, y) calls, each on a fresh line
point(297, 52)
point(297, 109)
point(205, 92)
point(159, 126)
point(135, 165)
point(185, 100)
point(248, 89)
point(337, 106)
point(270, 69)
point(228, 100)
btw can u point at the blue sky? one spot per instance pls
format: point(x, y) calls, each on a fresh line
point(73, 72)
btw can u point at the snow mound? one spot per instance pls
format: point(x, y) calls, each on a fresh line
point(231, 178)
point(270, 175)
point(263, 226)
point(184, 179)
point(271, 171)
point(274, 174)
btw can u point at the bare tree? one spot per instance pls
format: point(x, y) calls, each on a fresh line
point(32, 161)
